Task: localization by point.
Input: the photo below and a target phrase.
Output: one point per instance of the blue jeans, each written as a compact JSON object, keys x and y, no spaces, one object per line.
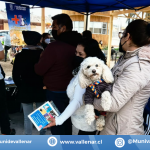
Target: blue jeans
{"x":61,"y":101}
{"x":27,"y":109}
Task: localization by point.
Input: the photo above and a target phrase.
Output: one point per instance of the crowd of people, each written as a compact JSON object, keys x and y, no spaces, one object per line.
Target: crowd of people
{"x":45,"y":71}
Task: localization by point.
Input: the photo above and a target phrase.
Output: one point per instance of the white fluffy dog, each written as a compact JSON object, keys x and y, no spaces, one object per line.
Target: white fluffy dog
{"x":92,"y":70}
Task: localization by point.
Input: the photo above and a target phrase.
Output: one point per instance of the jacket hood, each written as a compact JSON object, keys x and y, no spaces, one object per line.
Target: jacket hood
{"x":143,"y":53}
{"x":31,"y":37}
{"x":70,"y":37}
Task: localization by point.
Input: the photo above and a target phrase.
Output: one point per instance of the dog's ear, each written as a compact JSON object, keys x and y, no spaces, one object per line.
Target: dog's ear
{"x":107,"y":74}
{"x":83,"y":80}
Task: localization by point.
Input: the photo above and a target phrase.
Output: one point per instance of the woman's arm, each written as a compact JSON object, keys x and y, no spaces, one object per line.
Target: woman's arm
{"x":127,"y":85}
{"x":71,"y":108}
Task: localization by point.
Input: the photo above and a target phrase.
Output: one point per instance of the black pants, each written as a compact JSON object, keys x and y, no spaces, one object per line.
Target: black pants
{"x":61,"y":101}
{"x":6,"y":51}
{"x":4,"y":119}
{"x":86,"y":133}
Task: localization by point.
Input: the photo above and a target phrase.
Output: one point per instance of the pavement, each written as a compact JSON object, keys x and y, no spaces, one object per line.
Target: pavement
{"x":7,"y":67}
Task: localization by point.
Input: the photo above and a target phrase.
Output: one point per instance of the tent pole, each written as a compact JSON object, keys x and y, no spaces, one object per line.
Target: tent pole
{"x":43,"y":20}
{"x":109,"y":40}
{"x":86,"y":21}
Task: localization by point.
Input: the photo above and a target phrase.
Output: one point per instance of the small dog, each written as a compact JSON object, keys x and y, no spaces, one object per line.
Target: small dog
{"x":96,"y":77}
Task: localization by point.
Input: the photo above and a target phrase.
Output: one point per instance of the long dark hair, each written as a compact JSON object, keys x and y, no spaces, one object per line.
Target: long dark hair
{"x":92,"y":49}
{"x":139,"y":31}
{"x":44,"y":35}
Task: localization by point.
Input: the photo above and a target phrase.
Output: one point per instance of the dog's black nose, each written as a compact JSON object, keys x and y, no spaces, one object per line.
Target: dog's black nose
{"x":93,"y":71}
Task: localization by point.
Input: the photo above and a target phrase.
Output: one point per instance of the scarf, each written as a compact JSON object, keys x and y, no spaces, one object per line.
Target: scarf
{"x":92,"y":86}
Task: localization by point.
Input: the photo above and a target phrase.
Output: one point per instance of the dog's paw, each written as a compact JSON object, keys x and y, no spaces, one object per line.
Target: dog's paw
{"x":106,"y":100}
{"x":109,"y":80}
{"x":100,"y":123}
{"x":89,"y":113}
{"x":107,"y":75}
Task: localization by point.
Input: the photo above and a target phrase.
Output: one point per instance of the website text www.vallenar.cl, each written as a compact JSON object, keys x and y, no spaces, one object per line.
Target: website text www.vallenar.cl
{"x":81,"y":142}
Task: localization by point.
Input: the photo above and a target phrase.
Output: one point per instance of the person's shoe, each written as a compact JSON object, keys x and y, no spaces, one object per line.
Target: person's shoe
{"x":12,"y":63}
{"x":12,"y":131}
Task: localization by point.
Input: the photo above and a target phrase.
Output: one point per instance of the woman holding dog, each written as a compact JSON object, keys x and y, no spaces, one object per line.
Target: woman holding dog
{"x":86,"y":48}
{"x":131,"y":87}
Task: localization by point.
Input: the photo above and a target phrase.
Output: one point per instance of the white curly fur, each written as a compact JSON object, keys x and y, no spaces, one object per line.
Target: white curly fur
{"x":89,"y":113}
{"x":85,"y":74}
{"x":107,"y":74}
{"x":100,"y":123}
{"x":106,"y":100}
{"x":86,"y":77}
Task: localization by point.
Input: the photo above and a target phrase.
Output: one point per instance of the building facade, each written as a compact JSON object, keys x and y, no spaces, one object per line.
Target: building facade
{"x":98,"y":24}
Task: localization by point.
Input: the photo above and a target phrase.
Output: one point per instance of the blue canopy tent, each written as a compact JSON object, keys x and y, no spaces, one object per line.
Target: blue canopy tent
{"x":88,"y":7}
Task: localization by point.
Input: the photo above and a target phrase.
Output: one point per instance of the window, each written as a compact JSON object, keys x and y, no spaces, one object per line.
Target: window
{"x":95,"y":27}
{"x":98,"y":27}
{"x":78,"y":26}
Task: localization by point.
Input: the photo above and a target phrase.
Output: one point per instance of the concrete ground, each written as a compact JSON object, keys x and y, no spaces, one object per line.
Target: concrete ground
{"x":7,"y":66}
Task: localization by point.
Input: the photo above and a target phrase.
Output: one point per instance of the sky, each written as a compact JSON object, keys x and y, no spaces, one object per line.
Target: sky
{"x":37,"y":11}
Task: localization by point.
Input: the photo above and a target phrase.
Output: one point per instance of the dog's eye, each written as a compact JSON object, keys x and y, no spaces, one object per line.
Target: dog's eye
{"x":88,"y":67}
{"x":96,"y":65}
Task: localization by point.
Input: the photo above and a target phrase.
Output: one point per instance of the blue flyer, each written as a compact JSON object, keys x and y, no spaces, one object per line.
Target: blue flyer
{"x":40,"y":117}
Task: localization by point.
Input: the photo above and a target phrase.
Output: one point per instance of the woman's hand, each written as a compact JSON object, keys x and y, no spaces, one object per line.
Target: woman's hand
{"x":51,"y":124}
{"x":44,"y":88}
{"x":96,"y":117}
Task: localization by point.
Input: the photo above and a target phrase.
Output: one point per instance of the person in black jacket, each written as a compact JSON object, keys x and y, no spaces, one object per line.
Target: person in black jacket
{"x":4,"y":118}
{"x":30,"y":85}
